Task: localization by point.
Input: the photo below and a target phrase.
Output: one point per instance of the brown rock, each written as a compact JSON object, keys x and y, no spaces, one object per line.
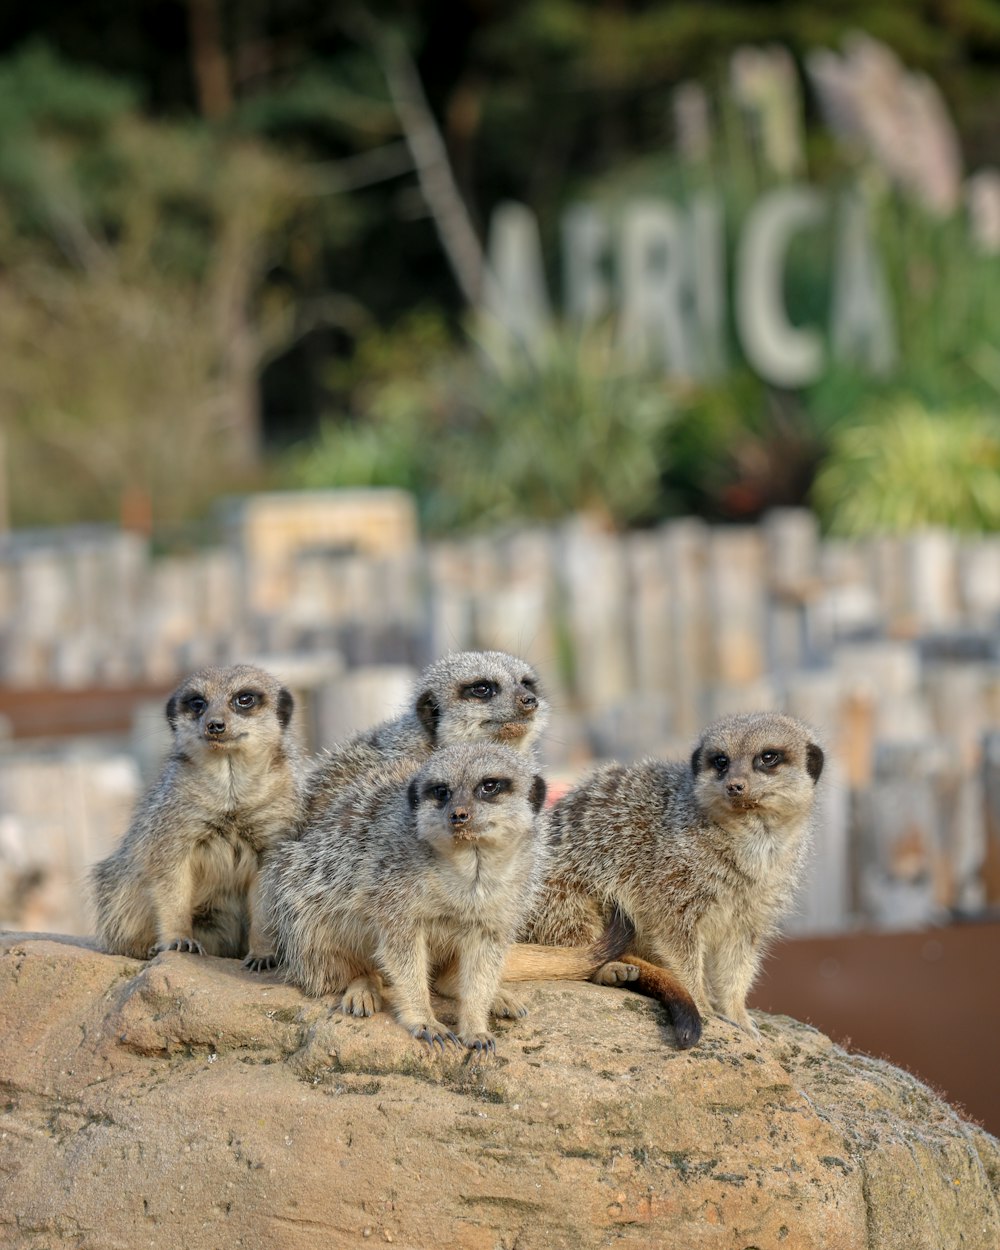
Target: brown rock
{"x":187,"y":1104}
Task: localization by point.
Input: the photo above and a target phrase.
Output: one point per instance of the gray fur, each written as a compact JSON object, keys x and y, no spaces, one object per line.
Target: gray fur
{"x":183,"y":877}
{"x":703,"y":858}
{"x":442,"y":712}
{"x":397,"y":883}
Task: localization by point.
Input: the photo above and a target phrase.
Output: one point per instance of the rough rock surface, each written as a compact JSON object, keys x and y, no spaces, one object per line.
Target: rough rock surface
{"x":186,"y":1104}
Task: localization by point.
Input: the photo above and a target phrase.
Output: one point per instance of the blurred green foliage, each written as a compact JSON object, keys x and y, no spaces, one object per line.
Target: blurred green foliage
{"x":919,"y":447}
{"x":486,"y":441}
{"x":903,"y":466}
{"x":133,"y":311}
{"x":157,"y":256}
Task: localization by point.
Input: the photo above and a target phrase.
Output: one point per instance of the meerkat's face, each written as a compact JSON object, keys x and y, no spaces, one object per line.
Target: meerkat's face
{"x":475,"y":794}
{"x":477,"y":696}
{"x":762,"y":762}
{"x":222,"y":710}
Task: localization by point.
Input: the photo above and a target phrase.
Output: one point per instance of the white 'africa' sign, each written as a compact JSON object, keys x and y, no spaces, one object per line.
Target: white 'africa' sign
{"x":661,"y":269}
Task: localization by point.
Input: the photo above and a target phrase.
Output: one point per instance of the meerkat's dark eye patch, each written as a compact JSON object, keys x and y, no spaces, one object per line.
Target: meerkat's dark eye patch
{"x":429,"y":713}
{"x":438,"y":792}
{"x":246,"y":700}
{"x":195,"y":704}
{"x":492,"y":787}
{"x":529,"y":683}
{"x":480,"y":690}
{"x":286,"y":705}
{"x":720,"y":762}
{"x":770,"y":758}
{"x":814,"y":760}
{"x":537,"y":795}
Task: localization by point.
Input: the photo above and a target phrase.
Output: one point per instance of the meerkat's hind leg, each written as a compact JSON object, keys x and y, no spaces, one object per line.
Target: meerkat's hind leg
{"x":363,"y":997}
{"x":615,"y":973}
{"x":321,"y":969}
{"x":618,"y":934}
{"x":222,"y":929}
{"x":260,"y":943}
{"x":506,"y":1005}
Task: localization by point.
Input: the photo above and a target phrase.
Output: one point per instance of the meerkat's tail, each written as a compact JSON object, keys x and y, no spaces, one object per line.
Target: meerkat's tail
{"x":661,"y":984}
{"x":528,"y":962}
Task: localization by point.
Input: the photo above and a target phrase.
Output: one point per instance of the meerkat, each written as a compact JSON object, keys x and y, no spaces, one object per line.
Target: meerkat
{"x":420,"y":868}
{"x":467,"y":696}
{"x":183,"y":877}
{"x":703,"y":857}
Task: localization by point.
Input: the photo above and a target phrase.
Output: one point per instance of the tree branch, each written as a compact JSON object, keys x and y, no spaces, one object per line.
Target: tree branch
{"x":437,"y":183}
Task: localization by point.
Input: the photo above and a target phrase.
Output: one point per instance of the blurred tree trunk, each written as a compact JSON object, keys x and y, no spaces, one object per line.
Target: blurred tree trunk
{"x":237,"y":259}
{"x":242,"y":360}
{"x":209,"y":62}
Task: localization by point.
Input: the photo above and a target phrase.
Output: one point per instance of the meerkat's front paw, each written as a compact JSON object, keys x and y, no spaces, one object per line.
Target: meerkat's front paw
{"x":741,"y":1020}
{"x":482,"y":1043}
{"x":615,"y":973}
{"x":508,"y":1006}
{"x":361,"y":998}
{"x":260,"y":963}
{"x":189,"y":945}
{"x":434,"y":1033}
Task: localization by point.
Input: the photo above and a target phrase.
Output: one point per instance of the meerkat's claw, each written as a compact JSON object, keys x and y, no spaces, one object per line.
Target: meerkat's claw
{"x":189,"y":945}
{"x":481,"y":1043}
{"x":435,"y":1034}
{"x":360,"y":999}
{"x":260,"y":963}
{"x":746,"y":1025}
{"x":508,"y":1006}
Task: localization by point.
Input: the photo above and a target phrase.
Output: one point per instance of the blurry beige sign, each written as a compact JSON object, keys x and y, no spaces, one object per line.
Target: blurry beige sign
{"x":661,"y":270}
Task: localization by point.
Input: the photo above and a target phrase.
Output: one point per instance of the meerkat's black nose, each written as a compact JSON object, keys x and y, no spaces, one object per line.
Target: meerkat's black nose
{"x":459,"y":815}
{"x":215,"y":728}
{"x":529,"y":701}
{"x":735,"y":787}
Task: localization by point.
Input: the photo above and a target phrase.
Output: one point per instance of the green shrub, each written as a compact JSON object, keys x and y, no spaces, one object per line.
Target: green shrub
{"x":905,"y":466}
{"x":486,"y":442}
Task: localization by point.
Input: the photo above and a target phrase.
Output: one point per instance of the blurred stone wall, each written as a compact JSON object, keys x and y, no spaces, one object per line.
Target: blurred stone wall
{"x":889,"y":646}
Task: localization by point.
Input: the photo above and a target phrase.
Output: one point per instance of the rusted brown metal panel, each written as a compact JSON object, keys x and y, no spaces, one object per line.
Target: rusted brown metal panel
{"x":928,"y":1001}
{"x":61,"y":713}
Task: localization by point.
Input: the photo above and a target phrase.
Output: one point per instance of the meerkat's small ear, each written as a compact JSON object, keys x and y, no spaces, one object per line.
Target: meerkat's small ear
{"x":286,"y":706}
{"x":696,"y":759}
{"x":814,"y":760}
{"x":412,"y":794}
{"x":429,"y":713}
{"x":536,"y":797}
{"x":172,"y":711}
